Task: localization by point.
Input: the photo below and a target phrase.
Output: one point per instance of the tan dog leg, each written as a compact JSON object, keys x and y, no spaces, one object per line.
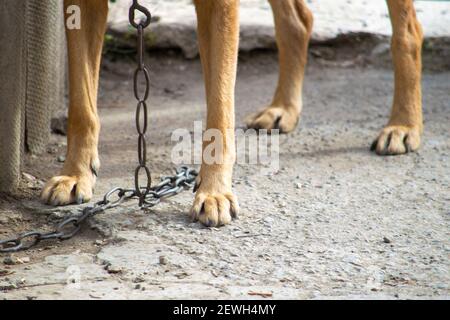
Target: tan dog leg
{"x":293,"y":24}
{"x":77,"y":179}
{"x":402,"y":133}
{"x":218,"y":34}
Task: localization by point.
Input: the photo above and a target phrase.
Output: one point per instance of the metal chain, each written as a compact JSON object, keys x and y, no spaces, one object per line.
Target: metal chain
{"x":141,"y":108}
{"x":148,"y":196}
{"x":69,"y":227}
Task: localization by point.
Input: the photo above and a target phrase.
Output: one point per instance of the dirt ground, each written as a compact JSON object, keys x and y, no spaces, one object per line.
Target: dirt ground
{"x":336,"y":221}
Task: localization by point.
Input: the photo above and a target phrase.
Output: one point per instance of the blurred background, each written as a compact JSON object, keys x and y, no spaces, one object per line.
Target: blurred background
{"x":175,"y":21}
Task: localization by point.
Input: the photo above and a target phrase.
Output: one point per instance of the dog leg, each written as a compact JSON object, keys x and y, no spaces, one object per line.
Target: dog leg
{"x":402,"y":133}
{"x":293,"y":24}
{"x":218,"y":34}
{"x":77,"y":178}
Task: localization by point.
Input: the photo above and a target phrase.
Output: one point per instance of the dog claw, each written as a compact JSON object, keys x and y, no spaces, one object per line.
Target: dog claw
{"x":79,"y":200}
{"x":196,"y":186}
{"x":94,"y":171}
{"x":395,"y":140}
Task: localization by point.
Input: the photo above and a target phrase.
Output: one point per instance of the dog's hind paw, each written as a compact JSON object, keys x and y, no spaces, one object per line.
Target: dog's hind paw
{"x":273,"y":117}
{"x":394,"y":140}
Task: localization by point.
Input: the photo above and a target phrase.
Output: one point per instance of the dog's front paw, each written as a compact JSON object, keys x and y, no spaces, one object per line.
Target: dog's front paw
{"x":283,"y":118}
{"x":394,"y":140}
{"x":74,"y":185}
{"x":215,"y":204}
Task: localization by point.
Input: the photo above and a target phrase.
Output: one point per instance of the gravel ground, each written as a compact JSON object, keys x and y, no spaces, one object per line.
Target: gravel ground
{"x":336,"y":221}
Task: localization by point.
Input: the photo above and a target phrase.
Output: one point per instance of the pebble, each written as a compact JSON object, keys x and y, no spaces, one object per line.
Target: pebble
{"x":23,"y":260}
{"x":9,"y":261}
{"x":441,"y":286}
{"x":113,"y":269}
{"x":138,"y":279}
{"x":163,"y":260}
{"x":28,"y":176}
{"x":61,"y":158}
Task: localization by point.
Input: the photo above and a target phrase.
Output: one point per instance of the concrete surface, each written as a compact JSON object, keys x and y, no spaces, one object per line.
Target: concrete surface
{"x":335,"y":222}
{"x":175,"y":21}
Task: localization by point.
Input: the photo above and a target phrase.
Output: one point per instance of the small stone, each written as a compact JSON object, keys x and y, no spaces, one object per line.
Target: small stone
{"x":23,"y":260}
{"x":386,"y":240}
{"x":61,"y":158}
{"x":28,"y":176}
{"x":9,"y":261}
{"x":52,"y":150}
{"x":5,"y":273}
{"x":113,"y":269}
{"x":182,"y":275}
{"x":9,"y":286}
{"x":59,"y":125}
{"x":4,"y":219}
{"x":441,"y":286}
{"x":137,"y":287}
{"x":138,"y":279}
{"x":298,"y":185}
{"x":163,"y":260}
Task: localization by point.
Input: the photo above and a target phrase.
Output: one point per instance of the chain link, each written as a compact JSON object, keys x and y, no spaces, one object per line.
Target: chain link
{"x":148,"y":196}
{"x":141,"y":108}
{"x":183,"y":179}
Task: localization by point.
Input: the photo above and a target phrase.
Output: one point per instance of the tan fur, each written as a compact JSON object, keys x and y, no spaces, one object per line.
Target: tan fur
{"x":77,"y":178}
{"x":218,"y":33}
{"x":402,"y":133}
{"x":293,"y":24}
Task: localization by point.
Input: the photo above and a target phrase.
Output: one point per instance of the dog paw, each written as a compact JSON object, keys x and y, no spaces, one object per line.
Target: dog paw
{"x":215,"y":204}
{"x":70,"y":188}
{"x":394,"y":140}
{"x":284,"y":119}
{"x":62,"y":190}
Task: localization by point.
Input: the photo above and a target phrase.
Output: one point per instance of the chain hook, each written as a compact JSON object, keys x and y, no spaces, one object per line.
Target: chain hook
{"x":132,"y":15}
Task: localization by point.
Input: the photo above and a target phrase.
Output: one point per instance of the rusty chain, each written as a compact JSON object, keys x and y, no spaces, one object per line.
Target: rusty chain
{"x":148,"y":196}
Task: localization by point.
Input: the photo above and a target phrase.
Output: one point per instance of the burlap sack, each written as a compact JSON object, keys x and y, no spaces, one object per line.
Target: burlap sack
{"x":31,"y":79}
